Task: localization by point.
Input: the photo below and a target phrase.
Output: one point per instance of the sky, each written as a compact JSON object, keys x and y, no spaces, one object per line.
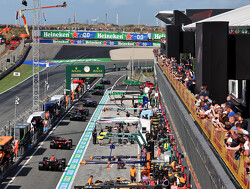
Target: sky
{"x":129,"y":11}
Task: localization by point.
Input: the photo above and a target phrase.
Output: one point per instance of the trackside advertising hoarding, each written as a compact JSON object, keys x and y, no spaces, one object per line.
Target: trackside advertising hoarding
{"x":157,"y":36}
{"x":237,"y":167}
{"x":94,"y":35}
{"x":96,"y":42}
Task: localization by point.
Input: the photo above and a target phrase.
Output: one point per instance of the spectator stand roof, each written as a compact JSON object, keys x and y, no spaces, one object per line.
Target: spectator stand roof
{"x":165,"y":16}
{"x":238,"y":19}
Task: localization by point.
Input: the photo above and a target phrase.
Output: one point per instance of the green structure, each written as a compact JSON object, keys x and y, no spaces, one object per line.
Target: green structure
{"x":77,"y":71}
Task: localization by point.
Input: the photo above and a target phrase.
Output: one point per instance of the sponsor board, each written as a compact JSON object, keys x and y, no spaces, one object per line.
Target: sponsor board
{"x":237,"y":167}
{"x":94,"y":35}
{"x":157,"y":36}
{"x":95,"y":42}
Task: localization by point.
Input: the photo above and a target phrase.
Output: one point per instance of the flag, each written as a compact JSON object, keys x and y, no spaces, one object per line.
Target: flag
{"x":75,"y":18}
{"x":44,"y":16}
{"x":17,"y":12}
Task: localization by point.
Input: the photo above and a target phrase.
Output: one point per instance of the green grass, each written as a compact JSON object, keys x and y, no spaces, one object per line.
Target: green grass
{"x":10,"y":80}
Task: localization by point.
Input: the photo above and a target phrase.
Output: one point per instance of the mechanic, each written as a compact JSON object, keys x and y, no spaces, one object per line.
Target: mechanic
{"x":90,"y":181}
{"x":101,"y":140}
{"x":133,"y":173}
{"x":94,"y":135}
{"x":16,"y":146}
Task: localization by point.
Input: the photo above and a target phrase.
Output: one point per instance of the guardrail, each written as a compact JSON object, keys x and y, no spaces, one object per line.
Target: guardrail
{"x":237,"y":167}
{"x":9,"y":59}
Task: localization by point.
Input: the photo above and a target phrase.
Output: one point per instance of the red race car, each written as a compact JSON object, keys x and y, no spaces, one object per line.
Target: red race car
{"x":52,"y":164}
{"x":60,"y":142}
{"x":147,"y":84}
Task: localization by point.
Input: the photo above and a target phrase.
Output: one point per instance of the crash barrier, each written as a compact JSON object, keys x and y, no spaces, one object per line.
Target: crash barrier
{"x":9,"y":59}
{"x":105,"y":43}
{"x":115,"y":69}
{"x":18,"y":63}
{"x":237,"y":167}
{"x":101,"y":35}
{"x":2,"y":48}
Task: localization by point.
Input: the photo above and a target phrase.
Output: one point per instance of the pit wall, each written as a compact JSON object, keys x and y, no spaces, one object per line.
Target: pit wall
{"x":237,"y":167}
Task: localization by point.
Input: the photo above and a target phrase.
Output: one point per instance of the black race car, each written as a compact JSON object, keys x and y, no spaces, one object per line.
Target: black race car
{"x":79,"y":107}
{"x":98,"y":92}
{"x":52,"y":164}
{"x":77,"y":115}
{"x":60,"y":142}
{"x":99,"y":86}
{"x":105,"y":81}
{"x":89,"y":103}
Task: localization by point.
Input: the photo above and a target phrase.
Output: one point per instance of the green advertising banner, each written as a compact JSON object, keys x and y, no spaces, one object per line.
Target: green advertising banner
{"x":157,"y":36}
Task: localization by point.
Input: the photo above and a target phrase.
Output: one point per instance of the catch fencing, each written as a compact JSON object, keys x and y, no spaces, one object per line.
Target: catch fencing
{"x":8,"y":60}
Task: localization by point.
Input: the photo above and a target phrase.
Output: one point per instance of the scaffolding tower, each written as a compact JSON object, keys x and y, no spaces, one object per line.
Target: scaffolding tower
{"x":36,"y":56}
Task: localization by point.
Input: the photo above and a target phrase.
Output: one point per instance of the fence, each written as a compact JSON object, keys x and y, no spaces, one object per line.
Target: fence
{"x":237,"y":167}
{"x":11,"y":58}
{"x":2,"y":48}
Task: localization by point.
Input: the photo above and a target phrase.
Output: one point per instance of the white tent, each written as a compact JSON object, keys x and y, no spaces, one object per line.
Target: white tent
{"x":237,"y":18}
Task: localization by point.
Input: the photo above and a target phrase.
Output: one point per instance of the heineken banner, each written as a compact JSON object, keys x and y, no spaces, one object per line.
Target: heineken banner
{"x":94,"y":35}
{"x":95,"y":42}
{"x":157,"y":36}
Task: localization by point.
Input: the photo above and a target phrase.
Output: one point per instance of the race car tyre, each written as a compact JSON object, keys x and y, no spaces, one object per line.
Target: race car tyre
{"x":64,"y":162}
{"x":71,"y":142}
{"x":68,"y":146}
{"x":52,"y":145}
{"x":40,"y":166}
{"x":60,"y":168}
{"x":87,"y":111}
{"x":45,"y":158}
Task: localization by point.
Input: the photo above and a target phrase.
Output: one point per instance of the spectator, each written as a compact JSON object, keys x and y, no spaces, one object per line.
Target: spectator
{"x":240,"y":119}
{"x":204,"y":92}
{"x":230,"y":103}
{"x":229,"y":110}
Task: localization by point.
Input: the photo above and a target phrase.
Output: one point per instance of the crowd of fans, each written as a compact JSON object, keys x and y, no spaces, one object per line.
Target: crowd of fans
{"x":224,"y":117}
{"x":108,"y":28}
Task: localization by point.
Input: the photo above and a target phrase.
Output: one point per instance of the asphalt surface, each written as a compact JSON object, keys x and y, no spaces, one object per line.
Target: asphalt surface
{"x":56,"y":77}
{"x":30,"y":176}
{"x":81,"y":52}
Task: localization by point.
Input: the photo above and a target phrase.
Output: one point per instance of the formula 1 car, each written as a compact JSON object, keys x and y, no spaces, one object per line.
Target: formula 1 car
{"x":97,"y":92}
{"x":99,"y":86}
{"x":79,"y":107}
{"x":60,"y":142}
{"x":147,"y":84}
{"x":77,"y":116}
{"x":89,"y":103}
{"x":52,"y":164}
{"x":105,"y":81}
